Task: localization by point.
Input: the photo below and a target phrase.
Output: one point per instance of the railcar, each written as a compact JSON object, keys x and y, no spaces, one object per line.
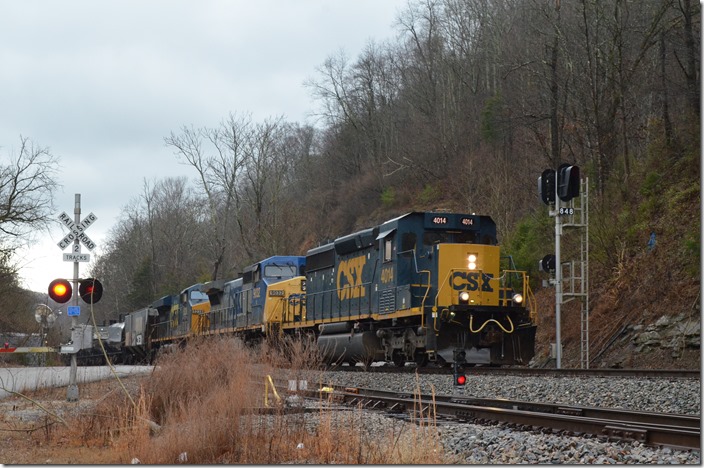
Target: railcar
{"x":112,"y":338}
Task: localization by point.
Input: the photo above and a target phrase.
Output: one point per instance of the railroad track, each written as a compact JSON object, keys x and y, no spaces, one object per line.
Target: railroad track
{"x":658,"y":429}
{"x":527,"y":371}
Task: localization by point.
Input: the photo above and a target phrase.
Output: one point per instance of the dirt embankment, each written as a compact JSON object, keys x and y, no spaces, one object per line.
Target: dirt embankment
{"x":646,"y":315}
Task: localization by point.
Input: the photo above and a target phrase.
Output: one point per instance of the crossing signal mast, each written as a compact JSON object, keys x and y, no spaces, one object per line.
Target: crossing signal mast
{"x":89,"y":289}
{"x":558,"y":189}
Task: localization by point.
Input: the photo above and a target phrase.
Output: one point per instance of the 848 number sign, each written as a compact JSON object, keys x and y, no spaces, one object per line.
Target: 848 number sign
{"x":566,"y":211}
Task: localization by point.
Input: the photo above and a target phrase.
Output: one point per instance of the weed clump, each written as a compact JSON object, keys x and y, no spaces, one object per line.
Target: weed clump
{"x":212,"y":401}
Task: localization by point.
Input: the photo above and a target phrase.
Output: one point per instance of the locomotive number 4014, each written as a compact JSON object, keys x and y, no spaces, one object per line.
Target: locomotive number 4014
{"x":443,"y":220}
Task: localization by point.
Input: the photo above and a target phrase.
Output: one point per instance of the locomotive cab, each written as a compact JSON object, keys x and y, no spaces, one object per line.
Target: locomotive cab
{"x":258,"y":280}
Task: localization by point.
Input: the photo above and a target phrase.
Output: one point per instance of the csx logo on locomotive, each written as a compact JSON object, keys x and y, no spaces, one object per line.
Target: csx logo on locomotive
{"x":469,"y":281}
{"x":349,"y":278}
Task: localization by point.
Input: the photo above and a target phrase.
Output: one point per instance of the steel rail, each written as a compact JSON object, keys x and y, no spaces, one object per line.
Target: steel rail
{"x":527,"y":371}
{"x":626,"y":415}
{"x":659,"y":429}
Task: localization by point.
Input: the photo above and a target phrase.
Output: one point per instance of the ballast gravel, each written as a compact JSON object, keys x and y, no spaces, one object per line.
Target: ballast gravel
{"x":498,"y":444}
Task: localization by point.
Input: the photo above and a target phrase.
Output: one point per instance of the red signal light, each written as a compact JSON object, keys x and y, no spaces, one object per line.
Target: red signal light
{"x":90,"y":290}
{"x":460,"y":379}
{"x":60,"y":290}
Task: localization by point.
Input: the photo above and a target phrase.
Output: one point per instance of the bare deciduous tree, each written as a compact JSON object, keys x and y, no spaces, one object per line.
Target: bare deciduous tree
{"x":218,"y":167}
{"x":27,"y":187}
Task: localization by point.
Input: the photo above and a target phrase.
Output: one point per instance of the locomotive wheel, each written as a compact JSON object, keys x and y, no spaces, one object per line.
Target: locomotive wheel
{"x":421,"y":358}
{"x":398,"y":358}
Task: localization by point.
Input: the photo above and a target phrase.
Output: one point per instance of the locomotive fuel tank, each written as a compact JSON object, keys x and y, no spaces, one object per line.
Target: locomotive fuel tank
{"x":339,"y":342}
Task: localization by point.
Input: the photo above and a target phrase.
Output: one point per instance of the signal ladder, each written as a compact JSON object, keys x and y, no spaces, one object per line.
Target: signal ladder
{"x":575,"y":273}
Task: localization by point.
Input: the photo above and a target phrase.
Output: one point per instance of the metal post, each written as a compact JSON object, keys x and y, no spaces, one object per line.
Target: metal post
{"x":72,"y":391}
{"x":558,"y":278}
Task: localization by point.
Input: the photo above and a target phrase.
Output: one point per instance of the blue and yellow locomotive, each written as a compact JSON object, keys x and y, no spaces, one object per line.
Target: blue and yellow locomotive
{"x":421,"y":287}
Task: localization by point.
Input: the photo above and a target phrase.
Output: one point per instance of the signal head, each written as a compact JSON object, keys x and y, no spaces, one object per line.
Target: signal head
{"x":60,"y":290}
{"x":547,"y":264}
{"x":90,"y":290}
{"x":568,"y":182}
{"x":546,"y":186}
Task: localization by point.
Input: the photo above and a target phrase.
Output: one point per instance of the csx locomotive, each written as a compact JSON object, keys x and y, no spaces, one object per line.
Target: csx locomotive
{"x":422,"y":287}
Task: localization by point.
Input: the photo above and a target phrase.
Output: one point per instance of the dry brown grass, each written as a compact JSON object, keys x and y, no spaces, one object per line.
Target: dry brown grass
{"x":198,"y":407}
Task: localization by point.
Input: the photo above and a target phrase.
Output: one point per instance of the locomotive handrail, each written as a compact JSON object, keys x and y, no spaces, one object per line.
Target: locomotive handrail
{"x":527,"y":293}
{"x":533,"y":306}
{"x":425,"y":296}
{"x":437,"y":295}
{"x":522,"y":275}
{"x":427,"y":286}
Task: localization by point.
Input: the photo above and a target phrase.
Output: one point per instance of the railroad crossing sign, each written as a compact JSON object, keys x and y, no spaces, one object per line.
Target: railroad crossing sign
{"x":77,"y":232}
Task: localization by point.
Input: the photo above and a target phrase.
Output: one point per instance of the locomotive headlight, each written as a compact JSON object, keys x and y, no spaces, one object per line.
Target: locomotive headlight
{"x":464,"y":297}
{"x":518,"y":298}
{"x":472,"y":262}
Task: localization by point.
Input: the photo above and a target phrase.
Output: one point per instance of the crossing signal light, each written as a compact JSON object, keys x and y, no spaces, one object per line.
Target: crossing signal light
{"x":90,"y":290}
{"x":546,"y":186}
{"x":60,"y":290}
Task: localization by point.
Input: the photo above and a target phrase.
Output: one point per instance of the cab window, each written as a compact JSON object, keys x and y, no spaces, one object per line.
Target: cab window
{"x":408,"y":241}
{"x":277,"y":271}
{"x":198,"y":297}
{"x":466,"y":237}
{"x":435,"y":237}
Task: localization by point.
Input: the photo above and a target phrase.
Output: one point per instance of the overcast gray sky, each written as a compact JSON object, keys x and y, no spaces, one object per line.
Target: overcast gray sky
{"x":101,"y":83}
